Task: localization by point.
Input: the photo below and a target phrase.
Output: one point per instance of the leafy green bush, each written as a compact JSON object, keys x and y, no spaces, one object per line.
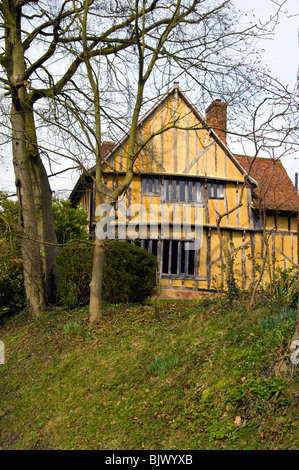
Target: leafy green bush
{"x":12,"y":292}
{"x":70,"y":225}
{"x":284,"y":287}
{"x":129,"y":273}
{"x":70,"y":222}
{"x":74,"y":266}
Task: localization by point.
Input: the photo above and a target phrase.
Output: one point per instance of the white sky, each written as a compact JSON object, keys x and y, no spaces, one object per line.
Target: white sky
{"x":282,"y":52}
{"x":281,"y":56}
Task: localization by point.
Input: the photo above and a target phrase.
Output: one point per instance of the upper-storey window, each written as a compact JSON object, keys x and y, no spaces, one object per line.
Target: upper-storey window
{"x":257,"y":223}
{"x":215,"y":190}
{"x":150,"y":185}
{"x":181,"y":190}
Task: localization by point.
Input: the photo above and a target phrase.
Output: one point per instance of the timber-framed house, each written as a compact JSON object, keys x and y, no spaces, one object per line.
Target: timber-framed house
{"x":189,"y":172}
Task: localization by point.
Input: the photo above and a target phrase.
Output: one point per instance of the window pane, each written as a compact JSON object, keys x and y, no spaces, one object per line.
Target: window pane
{"x":221,"y":190}
{"x":182,"y":190}
{"x":183,"y":258}
{"x":215,"y":192}
{"x":174,"y":257}
{"x":156,"y":188}
{"x":145,"y":244}
{"x":155,"y":247}
{"x":165,"y":256}
{"x":150,"y":185}
{"x":173,"y":190}
{"x":191,"y":254}
{"x":209,"y":190}
{"x":190,"y":191}
{"x":256,"y":221}
{"x":198,"y":191}
{"x":144,"y":184}
{"x":166,"y":190}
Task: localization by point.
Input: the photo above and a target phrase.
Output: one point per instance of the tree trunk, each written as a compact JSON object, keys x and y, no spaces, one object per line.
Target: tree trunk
{"x":33,"y":272}
{"x":96,"y":285}
{"x":42,"y":195}
{"x":36,"y":215}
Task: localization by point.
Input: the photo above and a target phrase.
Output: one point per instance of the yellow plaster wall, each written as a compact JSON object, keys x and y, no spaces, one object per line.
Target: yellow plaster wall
{"x":231,"y":202}
{"x":189,"y":284}
{"x":237,"y":241}
{"x":294,"y":224}
{"x":203,"y":256}
{"x":176,"y":283}
{"x":282,"y":223}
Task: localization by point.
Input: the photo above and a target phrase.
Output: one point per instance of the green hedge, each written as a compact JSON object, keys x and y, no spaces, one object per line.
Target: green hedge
{"x":129,"y":274}
{"x":74,"y":267}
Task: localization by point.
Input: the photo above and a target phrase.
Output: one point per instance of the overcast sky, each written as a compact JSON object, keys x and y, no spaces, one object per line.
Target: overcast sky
{"x":281,"y":56}
{"x":282,"y":51}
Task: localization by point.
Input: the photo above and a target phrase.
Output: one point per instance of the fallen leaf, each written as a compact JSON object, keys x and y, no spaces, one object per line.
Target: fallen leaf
{"x":237,"y":420}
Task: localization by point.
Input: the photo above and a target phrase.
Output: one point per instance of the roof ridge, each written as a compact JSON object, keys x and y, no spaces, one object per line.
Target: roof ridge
{"x":267,"y":159}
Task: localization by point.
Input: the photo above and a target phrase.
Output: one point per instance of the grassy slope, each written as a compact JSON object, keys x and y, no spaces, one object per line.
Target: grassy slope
{"x":195,"y":376}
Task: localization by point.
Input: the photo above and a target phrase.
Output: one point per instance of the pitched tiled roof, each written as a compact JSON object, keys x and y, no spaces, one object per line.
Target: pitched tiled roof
{"x":275,"y":187}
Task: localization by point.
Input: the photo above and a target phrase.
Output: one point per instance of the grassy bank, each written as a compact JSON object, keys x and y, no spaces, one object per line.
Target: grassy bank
{"x":185,"y":375}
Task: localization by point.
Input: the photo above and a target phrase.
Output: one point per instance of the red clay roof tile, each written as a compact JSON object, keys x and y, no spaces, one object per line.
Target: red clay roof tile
{"x":276,"y":190}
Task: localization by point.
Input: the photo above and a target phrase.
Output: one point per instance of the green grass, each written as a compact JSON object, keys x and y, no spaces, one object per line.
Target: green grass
{"x":192,"y":375}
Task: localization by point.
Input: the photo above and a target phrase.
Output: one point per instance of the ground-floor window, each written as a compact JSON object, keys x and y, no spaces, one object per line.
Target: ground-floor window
{"x":177,"y":258}
{"x":151,"y":246}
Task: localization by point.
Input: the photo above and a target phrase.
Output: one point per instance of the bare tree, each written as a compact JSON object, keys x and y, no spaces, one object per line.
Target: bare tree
{"x":191,"y":39}
{"x":139,"y":47}
{"x":35,"y":35}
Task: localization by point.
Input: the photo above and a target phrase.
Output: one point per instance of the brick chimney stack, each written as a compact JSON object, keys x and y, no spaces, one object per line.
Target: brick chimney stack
{"x":216,"y":118}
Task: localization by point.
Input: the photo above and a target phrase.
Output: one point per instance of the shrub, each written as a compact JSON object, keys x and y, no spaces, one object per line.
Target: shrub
{"x":129,"y":274}
{"x":70,"y":225}
{"x":74,"y":262}
{"x":70,"y":222}
{"x":12,"y":292}
{"x":74,"y":266}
